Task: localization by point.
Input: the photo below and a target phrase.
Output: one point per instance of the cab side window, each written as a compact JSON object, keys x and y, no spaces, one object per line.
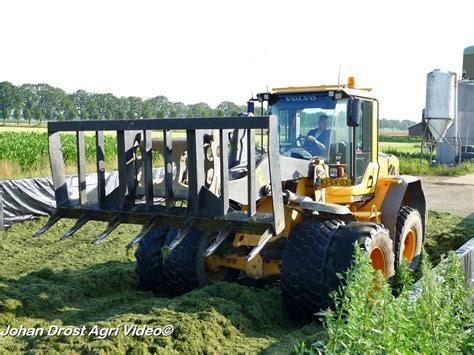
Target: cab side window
{"x":284,"y":126}
{"x":363,"y":141}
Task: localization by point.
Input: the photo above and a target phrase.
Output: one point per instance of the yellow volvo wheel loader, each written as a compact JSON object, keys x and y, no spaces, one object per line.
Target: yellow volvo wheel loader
{"x":285,"y":194}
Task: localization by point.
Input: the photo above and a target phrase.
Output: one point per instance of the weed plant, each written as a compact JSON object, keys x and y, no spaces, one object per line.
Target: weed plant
{"x":437,"y":317}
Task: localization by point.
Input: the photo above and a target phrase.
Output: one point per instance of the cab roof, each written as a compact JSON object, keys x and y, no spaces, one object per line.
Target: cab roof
{"x":359,"y":92}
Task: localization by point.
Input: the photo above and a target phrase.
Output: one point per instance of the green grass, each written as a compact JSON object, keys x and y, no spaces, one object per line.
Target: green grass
{"x":400,"y":138}
{"x":400,"y":147}
{"x":410,"y":164}
{"x":73,"y":283}
{"x":413,"y":166}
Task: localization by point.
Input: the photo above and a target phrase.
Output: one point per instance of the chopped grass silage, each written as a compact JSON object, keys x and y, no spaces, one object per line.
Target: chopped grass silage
{"x":73,"y":283}
{"x":445,"y":232}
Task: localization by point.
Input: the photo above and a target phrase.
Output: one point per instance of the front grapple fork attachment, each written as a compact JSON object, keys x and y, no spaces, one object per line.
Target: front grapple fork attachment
{"x":137,"y":200}
{"x":143,"y":231}
{"x":113,"y":224}
{"x":55,"y":217}
{"x":83,"y":219}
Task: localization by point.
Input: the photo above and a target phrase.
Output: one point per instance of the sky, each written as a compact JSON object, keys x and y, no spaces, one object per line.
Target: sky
{"x":212,"y":51}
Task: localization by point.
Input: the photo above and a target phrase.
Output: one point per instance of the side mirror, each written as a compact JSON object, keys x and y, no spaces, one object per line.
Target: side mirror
{"x":250,"y":107}
{"x":354,"y":111}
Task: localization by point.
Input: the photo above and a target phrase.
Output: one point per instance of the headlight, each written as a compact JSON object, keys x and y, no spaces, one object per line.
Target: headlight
{"x":333,"y":173}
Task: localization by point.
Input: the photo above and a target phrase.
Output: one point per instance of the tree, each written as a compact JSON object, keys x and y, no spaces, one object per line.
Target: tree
{"x":27,"y":115}
{"x":61,"y":117}
{"x":5,"y":114}
{"x":48,"y":115}
{"x":52,"y":99}
{"x":40,"y":101}
{"x":200,"y":110}
{"x":30,"y":98}
{"x":147,"y":113}
{"x":16,"y":115}
{"x":178,"y":109}
{"x":159,"y":104}
{"x":134,"y":107}
{"x":109,"y":115}
{"x":230,"y":109}
{"x":81,"y":100}
{"x":70,"y":114}
{"x":395,"y":125}
{"x":96,"y":115}
{"x":10,"y":98}
{"x":121,"y":114}
{"x":84,"y":115}
{"x":38,"y":113}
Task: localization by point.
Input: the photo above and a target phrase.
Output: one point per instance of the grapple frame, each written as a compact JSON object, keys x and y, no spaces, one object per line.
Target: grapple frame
{"x":203,"y":210}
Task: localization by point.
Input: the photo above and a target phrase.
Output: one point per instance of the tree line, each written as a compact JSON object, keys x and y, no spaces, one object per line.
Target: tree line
{"x":395,"y":125}
{"x":44,"y":102}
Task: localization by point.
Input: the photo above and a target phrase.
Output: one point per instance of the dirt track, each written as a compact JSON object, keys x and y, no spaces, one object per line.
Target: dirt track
{"x":450,"y":194}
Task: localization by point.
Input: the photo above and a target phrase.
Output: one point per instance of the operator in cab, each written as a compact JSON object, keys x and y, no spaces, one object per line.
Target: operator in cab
{"x":317,"y":140}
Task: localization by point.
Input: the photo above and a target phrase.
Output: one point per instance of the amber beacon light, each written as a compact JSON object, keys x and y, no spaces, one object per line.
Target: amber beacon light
{"x":351,"y":82}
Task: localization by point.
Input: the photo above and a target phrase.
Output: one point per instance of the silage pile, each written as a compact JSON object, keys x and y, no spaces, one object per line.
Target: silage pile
{"x":44,"y":282}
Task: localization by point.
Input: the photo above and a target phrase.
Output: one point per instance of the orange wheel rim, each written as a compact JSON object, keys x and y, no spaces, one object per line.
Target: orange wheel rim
{"x":378,"y":260}
{"x":214,"y":274}
{"x":409,"y":244}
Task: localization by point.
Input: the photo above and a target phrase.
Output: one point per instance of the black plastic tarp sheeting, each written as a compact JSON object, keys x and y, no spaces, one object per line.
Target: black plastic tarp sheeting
{"x":24,"y":199}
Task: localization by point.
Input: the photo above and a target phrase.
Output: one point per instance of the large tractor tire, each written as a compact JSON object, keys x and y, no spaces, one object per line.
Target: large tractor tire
{"x":408,"y":237}
{"x":317,"y":250}
{"x":185,"y":267}
{"x":180,"y":270}
{"x":149,"y":257}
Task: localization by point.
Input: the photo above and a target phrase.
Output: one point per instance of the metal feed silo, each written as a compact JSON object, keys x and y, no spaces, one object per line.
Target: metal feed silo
{"x":465,"y":117}
{"x":466,"y":102}
{"x":440,"y":102}
{"x":468,"y":63}
{"x":461,"y":134}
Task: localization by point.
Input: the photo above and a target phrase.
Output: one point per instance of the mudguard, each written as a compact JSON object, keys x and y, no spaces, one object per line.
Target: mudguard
{"x":407,"y":193}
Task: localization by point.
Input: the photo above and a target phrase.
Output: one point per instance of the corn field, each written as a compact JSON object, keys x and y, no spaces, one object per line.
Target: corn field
{"x":30,"y":150}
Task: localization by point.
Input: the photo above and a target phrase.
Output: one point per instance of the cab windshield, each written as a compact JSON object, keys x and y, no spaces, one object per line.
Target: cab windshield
{"x":313,"y":125}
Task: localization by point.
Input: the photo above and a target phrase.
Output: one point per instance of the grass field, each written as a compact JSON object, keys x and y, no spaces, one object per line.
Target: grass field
{"x":411,"y":148}
{"x":73,"y":283}
{"x":408,"y":154}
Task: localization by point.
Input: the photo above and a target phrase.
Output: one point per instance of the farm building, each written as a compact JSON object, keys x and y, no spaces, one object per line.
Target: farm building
{"x":417,"y":130}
